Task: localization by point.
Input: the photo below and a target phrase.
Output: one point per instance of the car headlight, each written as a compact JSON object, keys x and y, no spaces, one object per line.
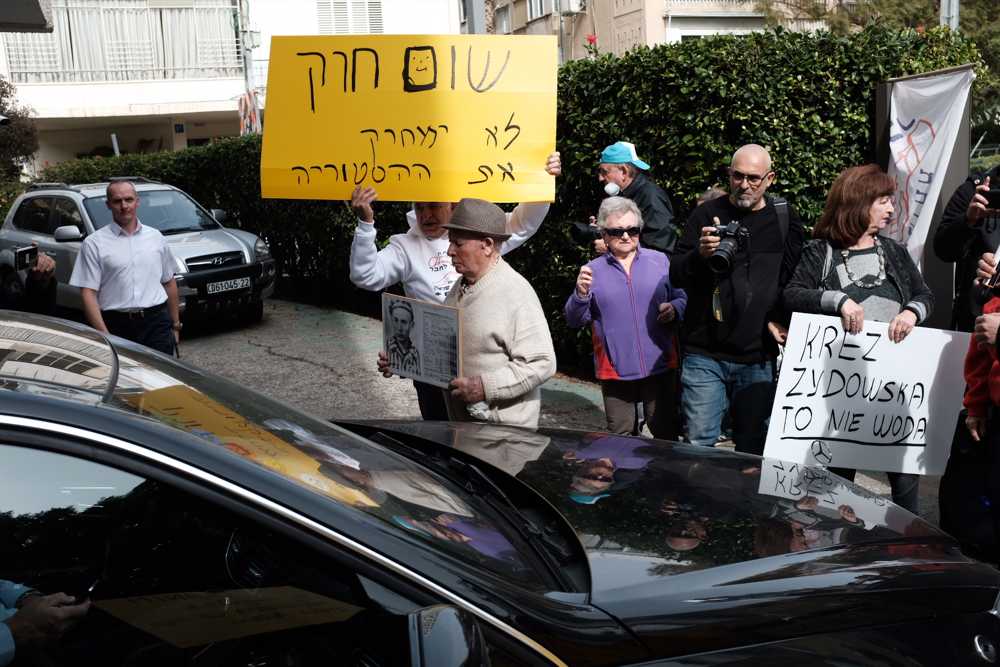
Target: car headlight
{"x":261,"y":249}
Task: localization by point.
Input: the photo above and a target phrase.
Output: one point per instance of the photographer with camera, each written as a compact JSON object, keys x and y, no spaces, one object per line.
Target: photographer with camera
{"x":969,"y":227}
{"x":733,"y":261}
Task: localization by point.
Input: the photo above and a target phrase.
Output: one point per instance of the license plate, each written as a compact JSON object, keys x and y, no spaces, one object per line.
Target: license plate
{"x":228,"y":285}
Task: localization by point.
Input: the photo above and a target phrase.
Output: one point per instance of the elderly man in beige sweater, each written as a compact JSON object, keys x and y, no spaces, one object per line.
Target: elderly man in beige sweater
{"x":506,"y":347}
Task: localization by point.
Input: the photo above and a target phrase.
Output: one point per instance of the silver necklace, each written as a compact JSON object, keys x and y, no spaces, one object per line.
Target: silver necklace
{"x":845,"y":253}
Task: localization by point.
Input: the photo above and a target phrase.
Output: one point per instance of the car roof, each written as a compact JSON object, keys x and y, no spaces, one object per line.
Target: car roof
{"x":89,"y":190}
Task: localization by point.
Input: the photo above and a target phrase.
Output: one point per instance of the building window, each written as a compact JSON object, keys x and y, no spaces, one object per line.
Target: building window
{"x":129,"y":40}
{"x":349,"y":17}
{"x":501,"y":20}
{"x":536,"y":9}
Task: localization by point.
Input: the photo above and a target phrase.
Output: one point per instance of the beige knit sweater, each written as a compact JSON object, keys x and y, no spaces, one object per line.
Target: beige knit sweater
{"x":506,"y":341}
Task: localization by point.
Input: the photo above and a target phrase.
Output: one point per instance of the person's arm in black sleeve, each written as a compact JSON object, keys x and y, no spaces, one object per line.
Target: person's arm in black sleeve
{"x":954,"y":231}
{"x":658,"y":231}
{"x":686,"y":265}
{"x":803,"y":293}
{"x":39,"y":295}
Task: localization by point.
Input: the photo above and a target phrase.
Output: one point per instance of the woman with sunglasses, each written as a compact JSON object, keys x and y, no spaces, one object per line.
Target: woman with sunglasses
{"x":849,"y":270}
{"x":625,"y":294}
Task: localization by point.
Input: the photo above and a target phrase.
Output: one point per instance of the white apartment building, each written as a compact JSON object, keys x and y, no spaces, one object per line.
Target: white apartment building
{"x":620,"y":25}
{"x":155,"y":75}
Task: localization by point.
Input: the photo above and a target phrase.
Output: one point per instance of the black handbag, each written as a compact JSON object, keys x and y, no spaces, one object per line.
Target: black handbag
{"x":969,"y":494}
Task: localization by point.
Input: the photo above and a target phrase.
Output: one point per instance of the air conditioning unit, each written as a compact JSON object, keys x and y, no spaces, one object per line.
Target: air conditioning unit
{"x":572,"y":6}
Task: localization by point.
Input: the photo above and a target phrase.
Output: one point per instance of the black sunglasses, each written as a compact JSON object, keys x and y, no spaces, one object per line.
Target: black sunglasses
{"x":620,"y":231}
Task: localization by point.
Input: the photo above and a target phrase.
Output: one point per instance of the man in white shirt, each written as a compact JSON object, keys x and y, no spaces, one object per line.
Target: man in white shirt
{"x":125,"y":273}
{"x":419,"y":258}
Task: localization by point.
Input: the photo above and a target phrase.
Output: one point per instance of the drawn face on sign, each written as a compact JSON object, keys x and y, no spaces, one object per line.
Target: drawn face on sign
{"x":419,"y":69}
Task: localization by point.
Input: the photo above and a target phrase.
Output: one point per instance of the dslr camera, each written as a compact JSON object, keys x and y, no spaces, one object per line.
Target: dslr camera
{"x":583,"y":233}
{"x":734,"y":236}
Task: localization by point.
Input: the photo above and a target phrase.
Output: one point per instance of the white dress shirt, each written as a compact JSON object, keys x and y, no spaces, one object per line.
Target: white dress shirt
{"x":127,"y":271}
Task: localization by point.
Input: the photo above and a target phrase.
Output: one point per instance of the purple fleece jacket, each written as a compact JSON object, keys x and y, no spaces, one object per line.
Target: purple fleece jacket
{"x":629,"y":344}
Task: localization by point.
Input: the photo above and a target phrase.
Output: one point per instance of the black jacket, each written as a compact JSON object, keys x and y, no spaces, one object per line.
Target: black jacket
{"x":955,"y":241}
{"x":34,"y":297}
{"x":750,"y":295}
{"x":804,"y":291}
{"x":658,"y":231}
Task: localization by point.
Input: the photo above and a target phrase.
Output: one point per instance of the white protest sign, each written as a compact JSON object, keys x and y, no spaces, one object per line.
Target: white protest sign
{"x":862,"y":401}
{"x":831,"y":496}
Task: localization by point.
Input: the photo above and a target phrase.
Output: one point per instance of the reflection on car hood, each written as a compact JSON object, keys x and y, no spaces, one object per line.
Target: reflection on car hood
{"x":643,"y":508}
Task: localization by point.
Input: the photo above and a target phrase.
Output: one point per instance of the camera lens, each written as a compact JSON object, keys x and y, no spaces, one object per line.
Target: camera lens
{"x":721,"y":261}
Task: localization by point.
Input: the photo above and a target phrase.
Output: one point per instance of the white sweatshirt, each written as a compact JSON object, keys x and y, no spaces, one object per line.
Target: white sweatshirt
{"x":423,"y":264}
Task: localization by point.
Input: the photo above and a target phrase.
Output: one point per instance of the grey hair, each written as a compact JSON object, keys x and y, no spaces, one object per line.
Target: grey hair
{"x":617,"y":207}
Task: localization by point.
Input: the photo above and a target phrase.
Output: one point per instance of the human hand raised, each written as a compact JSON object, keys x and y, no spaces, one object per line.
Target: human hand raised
{"x":361,"y":203}
{"x":709,"y":242}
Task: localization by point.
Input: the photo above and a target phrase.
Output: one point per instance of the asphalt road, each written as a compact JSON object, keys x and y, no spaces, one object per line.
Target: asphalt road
{"x":322,"y":361}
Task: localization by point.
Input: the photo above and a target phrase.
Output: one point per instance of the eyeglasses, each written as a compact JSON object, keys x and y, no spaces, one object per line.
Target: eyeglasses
{"x":753,"y":179}
{"x":619,"y":232}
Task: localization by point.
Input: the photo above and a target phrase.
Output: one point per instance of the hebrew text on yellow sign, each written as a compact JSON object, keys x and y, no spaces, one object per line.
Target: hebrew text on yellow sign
{"x":417,"y":117}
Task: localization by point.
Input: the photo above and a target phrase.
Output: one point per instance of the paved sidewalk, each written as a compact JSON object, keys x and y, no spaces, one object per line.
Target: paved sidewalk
{"x":322,"y":361}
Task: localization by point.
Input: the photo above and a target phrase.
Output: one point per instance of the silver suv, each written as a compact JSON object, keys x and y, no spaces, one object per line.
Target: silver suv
{"x":217,"y":268}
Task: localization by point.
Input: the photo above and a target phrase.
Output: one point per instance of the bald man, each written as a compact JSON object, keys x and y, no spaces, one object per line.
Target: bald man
{"x":733,"y":260}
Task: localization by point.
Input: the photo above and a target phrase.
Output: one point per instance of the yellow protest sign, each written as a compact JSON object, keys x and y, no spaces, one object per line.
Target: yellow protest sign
{"x":417,"y":117}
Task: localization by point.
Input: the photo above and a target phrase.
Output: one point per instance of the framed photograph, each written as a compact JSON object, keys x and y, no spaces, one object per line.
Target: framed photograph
{"x":422,"y":339}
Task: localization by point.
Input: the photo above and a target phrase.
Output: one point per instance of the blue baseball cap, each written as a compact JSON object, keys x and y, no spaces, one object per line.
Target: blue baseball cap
{"x":622,"y":152}
{"x":585,"y":499}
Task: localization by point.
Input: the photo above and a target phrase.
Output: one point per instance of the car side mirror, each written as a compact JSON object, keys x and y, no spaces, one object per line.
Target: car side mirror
{"x":68,"y":233}
{"x":445,"y":636}
{"x":219,"y":215}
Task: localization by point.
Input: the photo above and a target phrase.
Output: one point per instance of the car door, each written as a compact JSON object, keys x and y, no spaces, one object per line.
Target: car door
{"x":65,"y":212}
{"x":175,"y":578}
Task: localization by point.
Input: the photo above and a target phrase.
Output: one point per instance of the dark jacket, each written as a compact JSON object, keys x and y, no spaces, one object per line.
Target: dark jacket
{"x":658,"y":231}
{"x":955,"y":241}
{"x":804,"y":293}
{"x":35,"y":297}
{"x":749,"y":296}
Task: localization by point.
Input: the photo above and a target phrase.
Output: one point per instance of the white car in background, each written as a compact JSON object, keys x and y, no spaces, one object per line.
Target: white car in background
{"x":218,"y":269}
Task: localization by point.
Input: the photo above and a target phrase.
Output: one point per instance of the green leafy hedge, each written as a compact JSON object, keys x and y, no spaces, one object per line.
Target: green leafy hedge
{"x":686,"y":106}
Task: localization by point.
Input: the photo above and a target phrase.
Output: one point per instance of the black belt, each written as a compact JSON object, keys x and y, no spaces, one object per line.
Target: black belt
{"x":136,"y":313}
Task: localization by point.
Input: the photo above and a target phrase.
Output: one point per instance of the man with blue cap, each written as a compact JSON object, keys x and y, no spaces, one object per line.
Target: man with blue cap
{"x":623,"y":173}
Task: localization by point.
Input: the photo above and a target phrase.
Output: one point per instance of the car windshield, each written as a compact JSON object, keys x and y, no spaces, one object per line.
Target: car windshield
{"x":65,"y":360}
{"x":169,"y":211}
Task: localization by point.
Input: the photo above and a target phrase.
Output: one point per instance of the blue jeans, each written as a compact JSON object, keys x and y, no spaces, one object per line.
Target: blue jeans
{"x":710,"y":386}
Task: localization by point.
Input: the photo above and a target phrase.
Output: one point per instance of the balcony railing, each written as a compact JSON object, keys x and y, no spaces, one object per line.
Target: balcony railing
{"x":128,"y":40}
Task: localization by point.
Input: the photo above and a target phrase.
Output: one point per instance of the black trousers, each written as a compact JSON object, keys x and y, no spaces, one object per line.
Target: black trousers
{"x":431,"y":400}
{"x":151,"y":327}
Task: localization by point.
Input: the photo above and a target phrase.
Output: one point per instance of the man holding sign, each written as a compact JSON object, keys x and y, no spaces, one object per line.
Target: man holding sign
{"x":419,"y":258}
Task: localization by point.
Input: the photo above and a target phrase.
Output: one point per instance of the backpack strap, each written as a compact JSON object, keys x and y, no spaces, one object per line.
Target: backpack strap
{"x":781,"y":208}
{"x":827,"y":263}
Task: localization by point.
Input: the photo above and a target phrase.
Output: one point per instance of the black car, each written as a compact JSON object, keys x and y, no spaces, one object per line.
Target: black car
{"x":210,"y":525}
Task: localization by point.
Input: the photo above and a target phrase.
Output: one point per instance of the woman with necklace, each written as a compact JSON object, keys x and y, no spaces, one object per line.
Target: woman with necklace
{"x":851,"y":271}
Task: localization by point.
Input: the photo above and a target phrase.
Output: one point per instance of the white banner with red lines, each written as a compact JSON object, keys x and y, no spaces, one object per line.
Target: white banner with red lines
{"x":925,"y":114}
